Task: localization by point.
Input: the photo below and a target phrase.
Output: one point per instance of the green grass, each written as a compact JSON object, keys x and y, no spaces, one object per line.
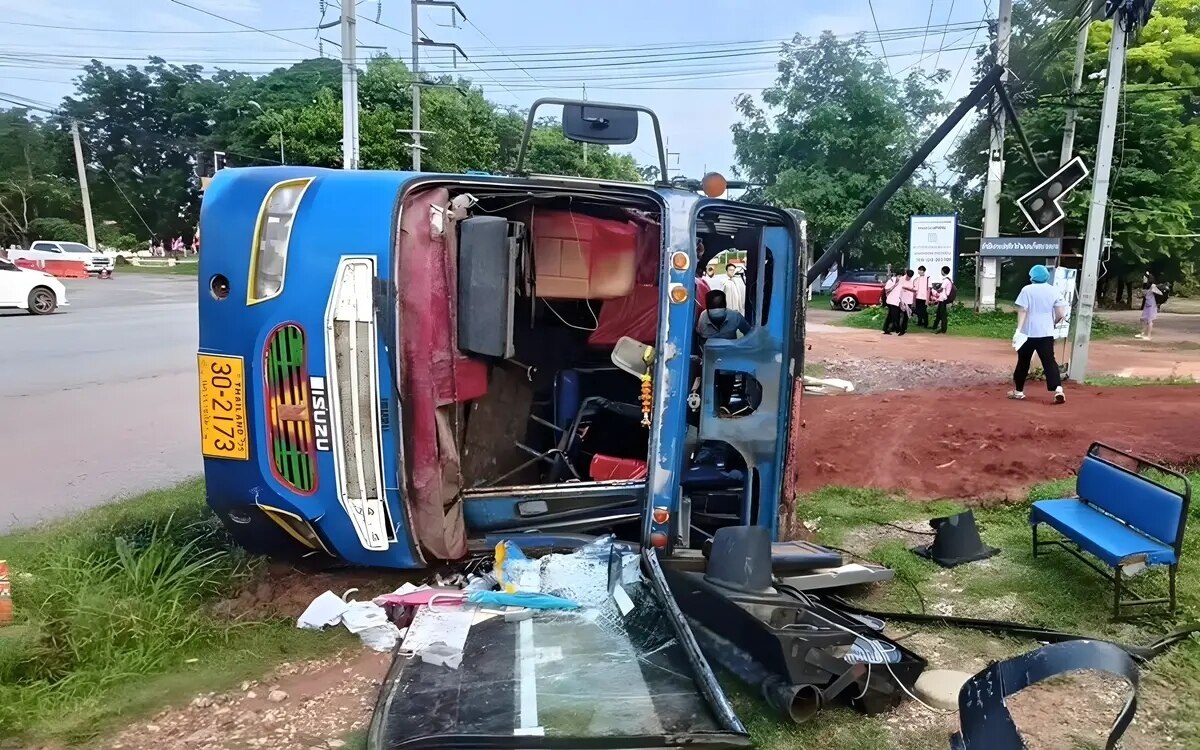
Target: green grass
{"x":964,"y":321}
{"x":1116,"y":381}
{"x":179,"y":269}
{"x":1054,"y":591}
{"x":113,"y":617}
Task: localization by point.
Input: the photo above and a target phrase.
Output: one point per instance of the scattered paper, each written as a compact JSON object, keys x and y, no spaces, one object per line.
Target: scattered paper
{"x":438,"y":626}
{"x":322,"y":612}
{"x":382,"y":638}
{"x":361,"y":616}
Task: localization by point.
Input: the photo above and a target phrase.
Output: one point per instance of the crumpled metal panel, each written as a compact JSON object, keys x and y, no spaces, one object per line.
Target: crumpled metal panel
{"x":434,"y":376}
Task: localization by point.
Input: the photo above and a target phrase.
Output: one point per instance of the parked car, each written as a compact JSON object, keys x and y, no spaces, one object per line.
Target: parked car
{"x":29,"y":289}
{"x":855,"y":289}
{"x":94,"y":261}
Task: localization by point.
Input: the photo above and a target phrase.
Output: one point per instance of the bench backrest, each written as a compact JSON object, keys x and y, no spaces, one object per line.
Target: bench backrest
{"x":1140,"y":502}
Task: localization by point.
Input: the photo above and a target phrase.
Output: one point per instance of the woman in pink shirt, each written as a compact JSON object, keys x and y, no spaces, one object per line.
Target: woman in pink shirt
{"x":901,"y":292}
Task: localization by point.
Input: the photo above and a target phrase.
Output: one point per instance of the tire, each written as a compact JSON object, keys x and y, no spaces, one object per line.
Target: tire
{"x":42,"y":301}
{"x":849,"y":303}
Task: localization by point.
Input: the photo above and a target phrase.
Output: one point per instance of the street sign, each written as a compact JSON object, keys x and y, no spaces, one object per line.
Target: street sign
{"x":931,"y":243}
{"x":1042,"y":206}
{"x":1020,"y":247}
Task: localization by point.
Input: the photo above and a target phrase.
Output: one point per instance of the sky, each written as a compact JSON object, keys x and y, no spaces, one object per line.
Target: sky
{"x":685,"y":59}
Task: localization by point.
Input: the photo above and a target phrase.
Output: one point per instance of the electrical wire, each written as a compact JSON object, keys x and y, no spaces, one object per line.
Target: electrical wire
{"x":147,"y":31}
{"x":943,"y":44}
{"x":878,"y":33}
{"x":245,"y":25}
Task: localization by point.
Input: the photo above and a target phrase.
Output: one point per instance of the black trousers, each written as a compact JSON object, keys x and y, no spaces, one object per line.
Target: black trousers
{"x":921,"y":311}
{"x":1044,"y":346}
{"x":939,"y":317}
{"x":896,"y":321}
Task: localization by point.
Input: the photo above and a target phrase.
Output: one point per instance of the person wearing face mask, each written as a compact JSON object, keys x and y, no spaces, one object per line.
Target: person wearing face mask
{"x":718,"y":321}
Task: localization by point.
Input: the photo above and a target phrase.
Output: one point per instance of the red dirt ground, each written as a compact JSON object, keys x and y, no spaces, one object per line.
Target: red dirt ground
{"x":974,"y":444}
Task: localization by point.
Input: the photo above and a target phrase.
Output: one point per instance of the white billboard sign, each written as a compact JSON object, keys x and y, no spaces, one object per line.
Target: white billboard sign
{"x":931,"y":243}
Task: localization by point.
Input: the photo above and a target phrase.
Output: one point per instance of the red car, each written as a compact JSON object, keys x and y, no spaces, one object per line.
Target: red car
{"x":855,"y":289}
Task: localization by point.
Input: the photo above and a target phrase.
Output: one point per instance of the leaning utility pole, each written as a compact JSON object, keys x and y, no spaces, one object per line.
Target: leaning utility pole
{"x":349,"y":26}
{"x":1067,"y":153}
{"x":989,"y":268}
{"x":1128,"y":16}
{"x":419,"y":41}
{"x":83,"y":187}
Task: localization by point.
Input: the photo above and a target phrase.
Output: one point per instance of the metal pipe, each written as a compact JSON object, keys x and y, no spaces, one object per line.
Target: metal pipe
{"x":799,"y":703}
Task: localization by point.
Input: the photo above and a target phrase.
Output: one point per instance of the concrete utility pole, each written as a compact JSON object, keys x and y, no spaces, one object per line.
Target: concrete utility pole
{"x":419,"y":41}
{"x":1123,"y":25}
{"x":989,"y":276}
{"x":349,"y":26}
{"x":83,"y":187}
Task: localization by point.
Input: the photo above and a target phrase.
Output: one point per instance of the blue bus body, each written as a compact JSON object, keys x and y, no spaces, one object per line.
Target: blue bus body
{"x":304,"y":411}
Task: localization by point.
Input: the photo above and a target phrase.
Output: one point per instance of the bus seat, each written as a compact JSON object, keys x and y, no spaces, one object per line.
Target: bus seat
{"x":576,"y":256}
{"x":635,"y":315}
{"x":609,"y":468}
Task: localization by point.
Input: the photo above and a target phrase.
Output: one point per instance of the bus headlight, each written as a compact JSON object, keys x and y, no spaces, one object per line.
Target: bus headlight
{"x":268,"y":259}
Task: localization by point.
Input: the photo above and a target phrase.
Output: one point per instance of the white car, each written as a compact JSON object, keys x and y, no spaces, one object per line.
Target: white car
{"x":93,"y":261}
{"x":29,"y":289}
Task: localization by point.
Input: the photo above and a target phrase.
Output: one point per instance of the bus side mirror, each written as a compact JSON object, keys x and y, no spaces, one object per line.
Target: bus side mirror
{"x":487,"y":275}
{"x":610,"y":126}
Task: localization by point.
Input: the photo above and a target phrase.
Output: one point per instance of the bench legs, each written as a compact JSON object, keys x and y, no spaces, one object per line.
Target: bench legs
{"x":1117,"y":579}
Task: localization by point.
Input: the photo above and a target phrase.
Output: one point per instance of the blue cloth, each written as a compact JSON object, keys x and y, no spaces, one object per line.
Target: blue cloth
{"x":1103,"y":536}
{"x":528,"y":599}
{"x":1039,"y":274}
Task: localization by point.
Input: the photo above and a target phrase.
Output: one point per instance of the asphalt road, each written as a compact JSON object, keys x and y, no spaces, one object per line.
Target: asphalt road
{"x":98,"y":401}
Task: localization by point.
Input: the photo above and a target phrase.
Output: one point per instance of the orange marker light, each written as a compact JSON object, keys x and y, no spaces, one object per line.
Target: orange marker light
{"x":680,"y":261}
{"x":661,"y":515}
{"x":658,"y":539}
{"x":714,"y":185}
{"x":678,"y":294}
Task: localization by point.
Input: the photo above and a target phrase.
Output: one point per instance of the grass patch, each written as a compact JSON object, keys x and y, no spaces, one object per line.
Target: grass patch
{"x":964,"y":321}
{"x":1055,"y":591}
{"x":113,"y":617}
{"x":179,"y":269}
{"x":1116,"y":381}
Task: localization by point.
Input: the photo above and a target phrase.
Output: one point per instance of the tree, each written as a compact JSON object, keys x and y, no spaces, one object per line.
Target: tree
{"x":835,"y":127}
{"x":30,"y":188}
{"x":1155,"y":186}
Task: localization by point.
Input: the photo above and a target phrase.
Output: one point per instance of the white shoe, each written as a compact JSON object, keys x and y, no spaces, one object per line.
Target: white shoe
{"x":1138,"y":336}
{"x":1016,"y":395}
{"x":1059,"y":396}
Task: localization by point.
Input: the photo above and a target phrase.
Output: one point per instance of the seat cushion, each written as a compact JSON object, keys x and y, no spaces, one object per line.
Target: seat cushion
{"x":1098,"y":533}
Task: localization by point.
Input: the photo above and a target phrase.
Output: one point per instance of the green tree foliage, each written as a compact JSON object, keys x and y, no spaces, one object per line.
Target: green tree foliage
{"x":148,"y":129}
{"x":833,"y":130}
{"x":1155,"y":187}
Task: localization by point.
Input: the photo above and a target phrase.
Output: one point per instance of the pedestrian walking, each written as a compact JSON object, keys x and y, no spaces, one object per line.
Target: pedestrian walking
{"x":921,"y":308}
{"x":1150,"y":295}
{"x":1040,"y":307}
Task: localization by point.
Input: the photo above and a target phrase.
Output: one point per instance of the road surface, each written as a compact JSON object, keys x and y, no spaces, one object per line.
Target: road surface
{"x":98,"y":401}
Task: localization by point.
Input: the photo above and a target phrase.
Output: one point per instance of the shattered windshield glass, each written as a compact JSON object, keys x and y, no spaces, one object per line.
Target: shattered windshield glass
{"x":613,"y":668}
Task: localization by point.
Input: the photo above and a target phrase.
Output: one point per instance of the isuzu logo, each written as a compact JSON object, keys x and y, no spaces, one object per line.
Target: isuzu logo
{"x":320,"y":414}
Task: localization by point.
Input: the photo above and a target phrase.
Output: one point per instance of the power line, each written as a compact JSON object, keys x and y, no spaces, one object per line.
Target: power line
{"x":148,"y":31}
{"x":928,"y":21}
{"x":247,"y":26}
{"x":939,"y":57}
{"x":882,"y":49}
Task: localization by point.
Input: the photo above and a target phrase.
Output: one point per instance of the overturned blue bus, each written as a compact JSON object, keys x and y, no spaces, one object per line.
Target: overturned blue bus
{"x":399,"y":369}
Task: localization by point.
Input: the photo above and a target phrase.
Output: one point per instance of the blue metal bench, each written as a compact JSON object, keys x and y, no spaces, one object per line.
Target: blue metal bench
{"x":1120,"y":516}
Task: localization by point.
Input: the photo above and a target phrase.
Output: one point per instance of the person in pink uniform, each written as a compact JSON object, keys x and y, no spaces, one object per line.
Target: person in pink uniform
{"x":901,"y":292}
{"x":921,"y":308}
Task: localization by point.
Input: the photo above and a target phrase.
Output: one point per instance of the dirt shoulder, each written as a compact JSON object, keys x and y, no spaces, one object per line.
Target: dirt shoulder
{"x":974,"y":444}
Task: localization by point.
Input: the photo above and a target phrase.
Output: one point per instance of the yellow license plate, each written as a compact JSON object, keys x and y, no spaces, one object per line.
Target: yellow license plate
{"x":223,"y":430}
